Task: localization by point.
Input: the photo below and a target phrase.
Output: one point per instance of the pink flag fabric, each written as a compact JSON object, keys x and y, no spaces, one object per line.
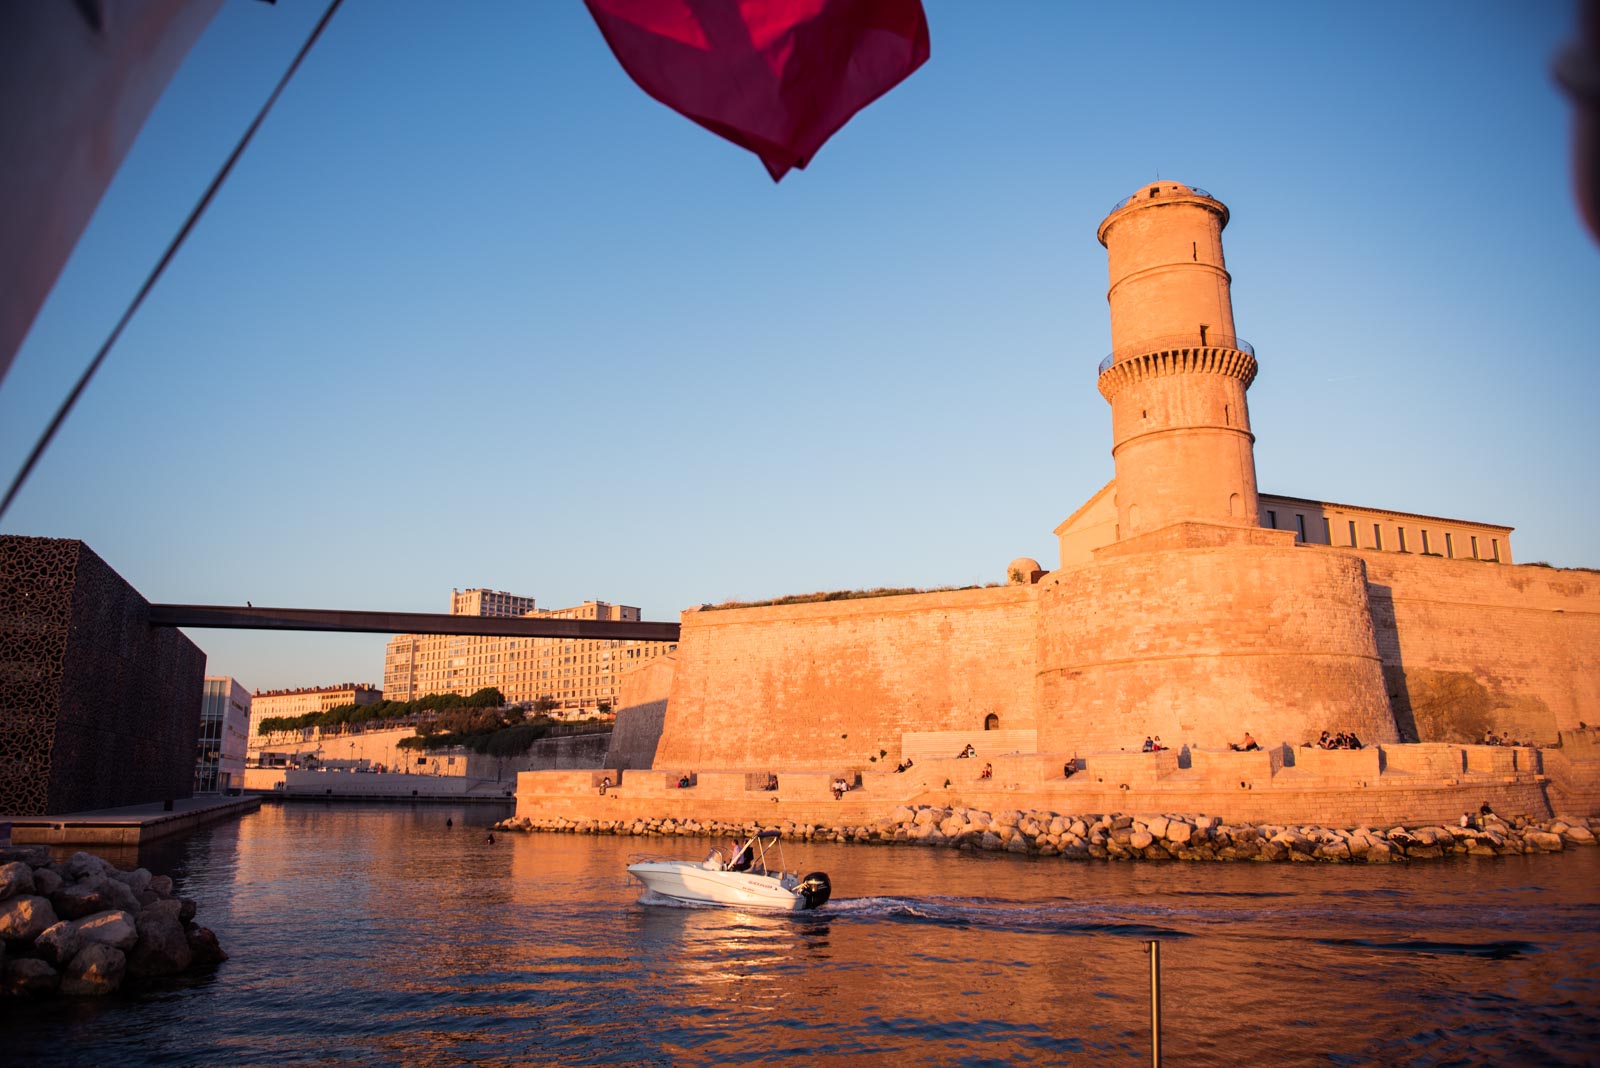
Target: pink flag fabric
{"x":778,"y":77}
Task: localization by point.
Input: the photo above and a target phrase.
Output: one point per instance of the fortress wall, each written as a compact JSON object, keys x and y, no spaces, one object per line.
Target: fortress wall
{"x":641,"y":714}
{"x":829,"y":684}
{"x":1200,"y":645}
{"x":1470,"y":646}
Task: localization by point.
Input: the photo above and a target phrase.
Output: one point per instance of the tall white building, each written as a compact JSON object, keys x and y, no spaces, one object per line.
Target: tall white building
{"x":224,"y":735}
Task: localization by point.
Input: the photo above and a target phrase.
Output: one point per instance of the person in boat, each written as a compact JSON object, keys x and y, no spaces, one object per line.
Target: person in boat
{"x":742,"y":857}
{"x":1248,"y":745}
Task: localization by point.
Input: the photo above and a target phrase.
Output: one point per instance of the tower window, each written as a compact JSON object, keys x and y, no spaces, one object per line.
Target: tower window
{"x":1300,"y":522}
{"x":1402,"y":533}
{"x":1327,"y":532}
{"x":1377,"y":536}
{"x":1203,"y":329}
{"x":1272,"y":519}
{"x":1353,"y":544}
{"x":1450,"y":546}
{"x":1494,"y":544}
{"x":1425,"y":543}
{"x":1474,"y":548}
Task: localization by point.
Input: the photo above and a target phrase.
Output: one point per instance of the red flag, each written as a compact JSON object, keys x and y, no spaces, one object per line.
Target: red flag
{"x":778,"y":77}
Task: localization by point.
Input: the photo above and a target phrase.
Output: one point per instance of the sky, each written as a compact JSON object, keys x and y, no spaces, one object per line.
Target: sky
{"x":475,"y":311}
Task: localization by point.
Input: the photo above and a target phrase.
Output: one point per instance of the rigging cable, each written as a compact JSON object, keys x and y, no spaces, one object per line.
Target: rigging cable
{"x":161,"y":266}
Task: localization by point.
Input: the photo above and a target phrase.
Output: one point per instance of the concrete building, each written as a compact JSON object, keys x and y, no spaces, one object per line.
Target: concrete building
{"x":273,"y":704}
{"x":98,"y":709}
{"x":573,"y":673}
{"x":1187,"y":604}
{"x":224,"y":735}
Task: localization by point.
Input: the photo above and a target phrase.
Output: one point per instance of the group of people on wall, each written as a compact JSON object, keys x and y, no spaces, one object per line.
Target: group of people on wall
{"x":1341,"y":740}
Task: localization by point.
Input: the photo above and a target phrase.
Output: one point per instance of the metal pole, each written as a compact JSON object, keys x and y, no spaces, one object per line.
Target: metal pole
{"x":1155,"y":1004}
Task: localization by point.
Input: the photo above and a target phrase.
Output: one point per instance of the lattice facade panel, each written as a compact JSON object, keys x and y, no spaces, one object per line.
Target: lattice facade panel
{"x":97,"y":708}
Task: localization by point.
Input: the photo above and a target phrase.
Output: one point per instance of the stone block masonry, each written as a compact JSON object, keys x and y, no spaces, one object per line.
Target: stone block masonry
{"x":833,"y":683}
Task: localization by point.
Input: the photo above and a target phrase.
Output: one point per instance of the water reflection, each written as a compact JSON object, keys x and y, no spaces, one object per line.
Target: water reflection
{"x":367,"y":935}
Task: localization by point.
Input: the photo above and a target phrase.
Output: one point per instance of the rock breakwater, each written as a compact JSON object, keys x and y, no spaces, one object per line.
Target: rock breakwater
{"x":1126,"y":836}
{"x":83,"y":926}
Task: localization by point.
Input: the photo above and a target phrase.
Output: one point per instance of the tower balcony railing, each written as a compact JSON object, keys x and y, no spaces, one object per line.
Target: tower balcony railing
{"x":1131,"y":197}
{"x":1177,"y":341}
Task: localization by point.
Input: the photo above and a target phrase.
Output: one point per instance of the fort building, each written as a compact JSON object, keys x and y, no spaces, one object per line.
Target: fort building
{"x":1186,"y":604}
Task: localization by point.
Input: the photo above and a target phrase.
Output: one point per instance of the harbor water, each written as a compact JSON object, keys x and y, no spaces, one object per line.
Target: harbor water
{"x":369,"y":935}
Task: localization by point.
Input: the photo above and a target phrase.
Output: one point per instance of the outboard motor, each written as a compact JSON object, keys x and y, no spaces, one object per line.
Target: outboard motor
{"x":814,"y":889}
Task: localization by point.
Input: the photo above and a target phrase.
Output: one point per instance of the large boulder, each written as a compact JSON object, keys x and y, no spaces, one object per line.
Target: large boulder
{"x":46,"y":882}
{"x":59,"y":942}
{"x":83,"y":865}
{"x":96,"y":970}
{"x":1543,"y":841}
{"x":161,"y":885}
{"x":15,"y":878}
{"x":26,"y":916}
{"x":26,"y":976}
{"x":162,"y":948}
{"x":115,"y":928}
{"x":81,"y":899}
{"x":1179,"y":832}
{"x":206,"y":950}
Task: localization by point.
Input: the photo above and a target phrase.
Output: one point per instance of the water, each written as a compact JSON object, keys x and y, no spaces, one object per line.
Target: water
{"x":368,"y":935}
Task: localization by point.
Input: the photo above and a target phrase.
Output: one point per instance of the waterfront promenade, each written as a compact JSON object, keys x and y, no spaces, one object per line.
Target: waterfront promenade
{"x":129,"y":825}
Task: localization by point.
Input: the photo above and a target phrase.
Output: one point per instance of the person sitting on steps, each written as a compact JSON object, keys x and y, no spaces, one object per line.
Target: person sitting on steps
{"x":988,"y":771}
{"x":967,"y":752}
{"x":1248,"y":745}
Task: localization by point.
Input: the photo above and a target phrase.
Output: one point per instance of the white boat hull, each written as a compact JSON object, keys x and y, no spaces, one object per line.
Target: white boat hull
{"x":697,"y":884}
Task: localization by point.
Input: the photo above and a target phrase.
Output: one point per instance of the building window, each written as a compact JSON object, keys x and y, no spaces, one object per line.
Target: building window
{"x":1425,"y":543}
{"x":1450,"y":546}
{"x":1327,"y":532}
{"x":1402,"y":532}
{"x":1474,"y":547}
{"x":1494,"y":544}
{"x":1353,"y":544}
{"x":1377,"y":536}
{"x":1300,"y":522}
{"x":1272,"y":519}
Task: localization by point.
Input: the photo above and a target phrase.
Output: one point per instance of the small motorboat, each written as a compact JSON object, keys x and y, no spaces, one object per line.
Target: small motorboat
{"x":748,"y":879}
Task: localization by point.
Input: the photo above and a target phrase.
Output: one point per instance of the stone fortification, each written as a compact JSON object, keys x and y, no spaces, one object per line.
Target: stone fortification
{"x":814,"y":685}
{"x":1200,"y":645}
{"x":1183,"y":607}
{"x":1469,"y":646}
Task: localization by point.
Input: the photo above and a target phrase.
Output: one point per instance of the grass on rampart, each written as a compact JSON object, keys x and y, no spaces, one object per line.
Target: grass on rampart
{"x":844,"y":595}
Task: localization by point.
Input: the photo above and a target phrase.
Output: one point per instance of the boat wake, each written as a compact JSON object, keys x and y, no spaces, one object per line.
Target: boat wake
{"x":989,"y":914}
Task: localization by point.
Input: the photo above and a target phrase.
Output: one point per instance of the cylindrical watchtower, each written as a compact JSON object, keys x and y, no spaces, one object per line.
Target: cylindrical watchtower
{"x":1177,"y":374}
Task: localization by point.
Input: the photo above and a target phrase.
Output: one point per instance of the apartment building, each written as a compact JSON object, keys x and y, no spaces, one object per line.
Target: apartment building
{"x":270,"y":704}
{"x":572,"y":673}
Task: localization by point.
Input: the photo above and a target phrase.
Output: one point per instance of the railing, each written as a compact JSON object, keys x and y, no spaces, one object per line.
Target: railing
{"x":1131,"y":197}
{"x":1177,"y":341}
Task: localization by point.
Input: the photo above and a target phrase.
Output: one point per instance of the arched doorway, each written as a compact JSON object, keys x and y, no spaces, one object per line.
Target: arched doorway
{"x":991,"y":722}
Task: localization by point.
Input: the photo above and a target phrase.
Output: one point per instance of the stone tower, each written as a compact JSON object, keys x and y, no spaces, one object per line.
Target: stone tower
{"x":1177,"y":373}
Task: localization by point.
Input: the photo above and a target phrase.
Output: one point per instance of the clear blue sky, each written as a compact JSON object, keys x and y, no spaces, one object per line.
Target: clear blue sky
{"x":475,"y":311}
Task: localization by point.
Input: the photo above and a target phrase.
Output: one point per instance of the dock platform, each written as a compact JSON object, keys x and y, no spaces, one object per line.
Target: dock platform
{"x":131,"y":825}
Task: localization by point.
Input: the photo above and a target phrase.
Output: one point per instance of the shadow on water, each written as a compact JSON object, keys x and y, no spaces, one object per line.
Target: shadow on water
{"x":1486,"y":950}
